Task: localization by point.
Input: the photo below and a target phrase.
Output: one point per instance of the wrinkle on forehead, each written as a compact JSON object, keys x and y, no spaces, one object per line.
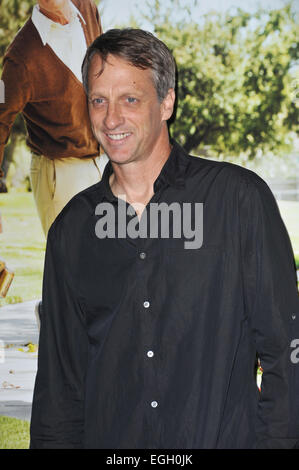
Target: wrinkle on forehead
{"x":106,"y":61}
{"x":123,"y":72}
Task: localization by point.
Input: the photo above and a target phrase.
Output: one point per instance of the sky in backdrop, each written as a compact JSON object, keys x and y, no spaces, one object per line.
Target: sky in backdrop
{"x":118,"y":12}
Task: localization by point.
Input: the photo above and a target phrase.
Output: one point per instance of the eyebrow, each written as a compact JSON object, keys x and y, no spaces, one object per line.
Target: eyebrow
{"x":132,"y":91}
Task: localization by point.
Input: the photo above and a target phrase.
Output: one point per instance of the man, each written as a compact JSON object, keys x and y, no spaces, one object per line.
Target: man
{"x":42,"y":78}
{"x":150,"y":340}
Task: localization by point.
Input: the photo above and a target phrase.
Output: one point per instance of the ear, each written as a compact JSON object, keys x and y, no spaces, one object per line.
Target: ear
{"x":167,"y":105}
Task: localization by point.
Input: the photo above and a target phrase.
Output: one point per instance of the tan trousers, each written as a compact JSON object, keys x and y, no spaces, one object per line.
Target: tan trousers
{"x":55,"y":182}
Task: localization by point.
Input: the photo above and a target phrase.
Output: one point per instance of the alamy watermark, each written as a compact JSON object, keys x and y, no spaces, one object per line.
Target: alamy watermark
{"x":295,"y":353}
{"x":157,"y":220}
{"x":2,"y":92}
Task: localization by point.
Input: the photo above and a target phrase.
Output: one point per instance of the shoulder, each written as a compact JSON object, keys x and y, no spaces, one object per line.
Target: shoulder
{"x":23,"y":46}
{"x":85,"y":5}
{"x":225,"y":172}
{"x":77,"y":212}
{"x":90,"y":13}
{"x":230,"y":182}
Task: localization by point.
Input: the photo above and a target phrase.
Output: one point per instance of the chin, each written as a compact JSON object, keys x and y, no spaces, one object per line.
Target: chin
{"x":119,"y":160}
{"x":118,"y":156}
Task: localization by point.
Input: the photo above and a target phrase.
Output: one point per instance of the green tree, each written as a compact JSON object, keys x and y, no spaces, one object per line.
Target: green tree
{"x":235,"y":77}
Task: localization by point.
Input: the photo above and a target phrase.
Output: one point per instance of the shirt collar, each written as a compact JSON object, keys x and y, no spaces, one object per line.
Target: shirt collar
{"x":172,"y":173}
{"x":44,"y":24}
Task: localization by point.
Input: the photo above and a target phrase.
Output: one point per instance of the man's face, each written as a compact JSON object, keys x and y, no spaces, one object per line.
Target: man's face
{"x":126,"y":115}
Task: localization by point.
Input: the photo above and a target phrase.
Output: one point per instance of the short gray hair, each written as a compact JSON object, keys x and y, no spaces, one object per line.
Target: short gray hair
{"x":141,"y":49}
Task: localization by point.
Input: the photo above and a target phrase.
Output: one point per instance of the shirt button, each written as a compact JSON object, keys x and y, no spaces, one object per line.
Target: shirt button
{"x":146,"y":304}
{"x":142,"y":255}
{"x":150,"y":354}
{"x":154,"y":404}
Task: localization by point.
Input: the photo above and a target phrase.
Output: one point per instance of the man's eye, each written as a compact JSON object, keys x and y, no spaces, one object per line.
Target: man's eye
{"x":130,"y":99}
{"x":97,"y":101}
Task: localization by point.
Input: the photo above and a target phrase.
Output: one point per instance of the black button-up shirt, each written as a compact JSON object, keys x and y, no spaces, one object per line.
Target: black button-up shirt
{"x":146,"y":344}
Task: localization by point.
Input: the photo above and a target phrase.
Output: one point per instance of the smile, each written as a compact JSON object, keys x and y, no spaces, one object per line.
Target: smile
{"x":118,"y":137}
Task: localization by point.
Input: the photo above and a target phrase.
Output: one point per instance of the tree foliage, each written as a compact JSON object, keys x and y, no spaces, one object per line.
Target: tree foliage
{"x":235,"y":78}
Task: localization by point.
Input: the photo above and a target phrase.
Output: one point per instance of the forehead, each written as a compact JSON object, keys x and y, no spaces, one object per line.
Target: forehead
{"x":117,"y":72}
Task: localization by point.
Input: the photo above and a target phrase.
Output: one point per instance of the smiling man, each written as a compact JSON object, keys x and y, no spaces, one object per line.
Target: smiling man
{"x":129,"y":117}
{"x":146,"y":342}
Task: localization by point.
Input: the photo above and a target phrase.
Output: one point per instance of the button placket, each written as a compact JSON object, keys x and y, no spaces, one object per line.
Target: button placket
{"x":146,"y":304}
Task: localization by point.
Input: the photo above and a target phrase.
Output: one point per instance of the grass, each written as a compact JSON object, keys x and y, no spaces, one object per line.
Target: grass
{"x":14,"y":433}
{"x":22,"y":246}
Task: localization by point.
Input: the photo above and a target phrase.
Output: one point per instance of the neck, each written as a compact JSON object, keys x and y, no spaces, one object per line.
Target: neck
{"x":60,"y":16}
{"x":135,"y":180}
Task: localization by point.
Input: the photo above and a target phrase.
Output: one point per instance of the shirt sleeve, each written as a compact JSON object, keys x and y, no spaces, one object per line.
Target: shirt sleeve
{"x":17,"y":92}
{"x":272,"y":305}
{"x":57,"y":419}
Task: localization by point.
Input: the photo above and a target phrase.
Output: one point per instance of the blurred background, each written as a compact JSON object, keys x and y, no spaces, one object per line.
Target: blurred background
{"x":238,"y":100}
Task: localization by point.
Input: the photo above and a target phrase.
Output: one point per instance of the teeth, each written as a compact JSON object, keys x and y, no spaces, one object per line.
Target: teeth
{"x":118,"y":136}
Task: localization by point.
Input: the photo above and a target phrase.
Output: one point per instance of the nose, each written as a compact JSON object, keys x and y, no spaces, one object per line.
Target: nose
{"x":113,"y":117}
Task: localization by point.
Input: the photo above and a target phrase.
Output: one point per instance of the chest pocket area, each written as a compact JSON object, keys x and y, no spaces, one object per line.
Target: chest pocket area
{"x":195,"y":274}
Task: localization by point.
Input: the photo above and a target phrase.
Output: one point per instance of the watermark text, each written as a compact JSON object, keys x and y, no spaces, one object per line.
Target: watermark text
{"x":2,"y":92}
{"x":157,"y":220}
